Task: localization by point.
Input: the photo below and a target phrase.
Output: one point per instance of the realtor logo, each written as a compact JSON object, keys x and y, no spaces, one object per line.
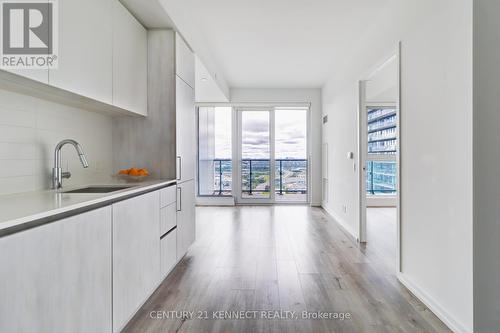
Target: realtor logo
{"x":29,"y":38}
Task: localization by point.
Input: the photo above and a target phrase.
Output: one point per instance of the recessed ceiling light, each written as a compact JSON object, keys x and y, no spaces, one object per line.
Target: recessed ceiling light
{"x":204,"y":79}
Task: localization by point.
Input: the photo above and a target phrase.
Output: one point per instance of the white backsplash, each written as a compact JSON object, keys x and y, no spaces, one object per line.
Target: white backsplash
{"x":30,"y":128}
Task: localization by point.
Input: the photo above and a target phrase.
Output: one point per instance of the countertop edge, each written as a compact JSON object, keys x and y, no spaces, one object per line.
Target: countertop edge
{"x":35,"y":220}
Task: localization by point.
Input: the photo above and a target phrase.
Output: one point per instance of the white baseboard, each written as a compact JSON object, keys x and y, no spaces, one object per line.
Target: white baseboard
{"x":345,"y":227}
{"x":452,"y":323}
{"x":215,"y":201}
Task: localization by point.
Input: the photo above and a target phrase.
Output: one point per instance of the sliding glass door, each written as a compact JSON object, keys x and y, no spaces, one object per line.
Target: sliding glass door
{"x":272,"y":155}
{"x":266,"y":162}
{"x":255,"y":162}
{"x":290,"y":153}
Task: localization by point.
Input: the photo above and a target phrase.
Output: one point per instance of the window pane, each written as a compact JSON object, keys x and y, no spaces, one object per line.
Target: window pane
{"x":215,"y":168}
{"x":381,"y":130}
{"x":255,"y":153}
{"x":381,"y":178}
{"x":291,"y":154}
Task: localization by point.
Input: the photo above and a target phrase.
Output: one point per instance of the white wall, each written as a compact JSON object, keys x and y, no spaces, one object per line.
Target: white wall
{"x":382,"y":86}
{"x":436,"y":116}
{"x":312,"y":96}
{"x":207,"y":90}
{"x":30,"y":128}
{"x":486,"y":166}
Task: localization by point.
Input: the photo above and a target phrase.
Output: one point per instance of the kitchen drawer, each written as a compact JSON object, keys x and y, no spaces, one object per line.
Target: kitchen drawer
{"x":167,"y":196}
{"x":168,"y":248}
{"x":168,"y":218}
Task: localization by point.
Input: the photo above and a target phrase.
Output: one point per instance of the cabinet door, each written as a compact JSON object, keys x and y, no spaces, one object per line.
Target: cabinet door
{"x":168,"y":252}
{"x":57,"y":277}
{"x":186,"y":227}
{"x":186,"y":131}
{"x":184,"y":61}
{"x":130,"y":61}
{"x":85,"y":49}
{"x":168,"y":218}
{"x":136,"y":254}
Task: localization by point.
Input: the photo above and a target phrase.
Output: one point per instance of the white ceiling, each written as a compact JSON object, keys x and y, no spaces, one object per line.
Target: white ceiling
{"x":277,"y":43}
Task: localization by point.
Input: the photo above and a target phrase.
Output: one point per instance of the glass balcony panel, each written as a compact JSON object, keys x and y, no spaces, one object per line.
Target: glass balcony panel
{"x":291,"y":180}
{"x":255,"y":178}
{"x":381,"y":178}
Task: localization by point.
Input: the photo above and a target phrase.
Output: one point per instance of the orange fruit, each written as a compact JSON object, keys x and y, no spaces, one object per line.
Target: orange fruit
{"x":123,"y":172}
{"x":144,"y":172}
{"x":134,"y":172}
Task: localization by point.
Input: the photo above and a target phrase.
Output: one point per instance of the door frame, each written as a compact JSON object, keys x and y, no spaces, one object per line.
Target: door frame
{"x":362,"y":137}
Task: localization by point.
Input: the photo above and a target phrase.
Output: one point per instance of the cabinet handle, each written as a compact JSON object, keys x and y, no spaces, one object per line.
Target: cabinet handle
{"x":179,"y":199}
{"x":179,"y":168}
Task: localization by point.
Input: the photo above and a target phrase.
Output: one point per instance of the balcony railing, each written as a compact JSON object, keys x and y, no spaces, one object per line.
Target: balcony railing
{"x":290,"y":176}
{"x":223,"y":174}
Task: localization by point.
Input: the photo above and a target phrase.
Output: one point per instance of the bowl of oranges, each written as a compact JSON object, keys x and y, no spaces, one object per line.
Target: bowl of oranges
{"x":133,"y":174}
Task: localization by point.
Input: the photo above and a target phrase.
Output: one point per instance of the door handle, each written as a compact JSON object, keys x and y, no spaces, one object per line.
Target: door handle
{"x":179,"y":199}
{"x":179,"y":168}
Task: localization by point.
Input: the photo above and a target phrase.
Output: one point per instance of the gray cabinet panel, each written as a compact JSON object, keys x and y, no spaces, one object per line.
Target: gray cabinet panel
{"x":186,"y":131}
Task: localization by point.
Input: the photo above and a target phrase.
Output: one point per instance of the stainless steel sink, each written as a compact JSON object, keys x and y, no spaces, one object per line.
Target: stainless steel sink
{"x":98,"y":189}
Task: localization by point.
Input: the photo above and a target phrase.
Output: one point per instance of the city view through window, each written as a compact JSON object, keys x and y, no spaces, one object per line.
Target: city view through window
{"x":290,"y":154}
{"x":381,"y":162}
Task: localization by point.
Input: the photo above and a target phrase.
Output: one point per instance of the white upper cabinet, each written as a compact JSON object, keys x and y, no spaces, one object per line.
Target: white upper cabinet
{"x":184,"y":61}
{"x":85,"y":49}
{"x":130,"y":61}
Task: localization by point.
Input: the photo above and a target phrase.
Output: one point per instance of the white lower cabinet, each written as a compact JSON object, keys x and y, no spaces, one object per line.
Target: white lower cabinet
{"x":136,"y":254}
{"x":186,"y":230}
{"x":57,"y":277}
{"x":168,"y":245}
{"x":168,"y":219}
{"x":91,"y":272}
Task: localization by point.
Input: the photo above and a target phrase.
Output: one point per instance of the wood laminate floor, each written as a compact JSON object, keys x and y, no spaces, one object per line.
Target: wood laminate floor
{"x":293,"y":258}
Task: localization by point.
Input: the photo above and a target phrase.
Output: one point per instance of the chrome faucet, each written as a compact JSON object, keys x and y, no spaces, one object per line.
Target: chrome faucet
{"x":57,"y":173}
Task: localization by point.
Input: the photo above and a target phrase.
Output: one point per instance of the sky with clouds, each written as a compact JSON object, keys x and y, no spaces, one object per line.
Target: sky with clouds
{"x":290,"y":134}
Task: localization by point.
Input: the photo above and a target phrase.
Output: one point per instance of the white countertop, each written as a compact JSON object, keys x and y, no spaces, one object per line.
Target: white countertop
{"x":21,"y":209}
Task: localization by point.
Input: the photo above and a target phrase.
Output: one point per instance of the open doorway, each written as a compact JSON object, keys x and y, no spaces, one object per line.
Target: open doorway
{"x":379,"y":136}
